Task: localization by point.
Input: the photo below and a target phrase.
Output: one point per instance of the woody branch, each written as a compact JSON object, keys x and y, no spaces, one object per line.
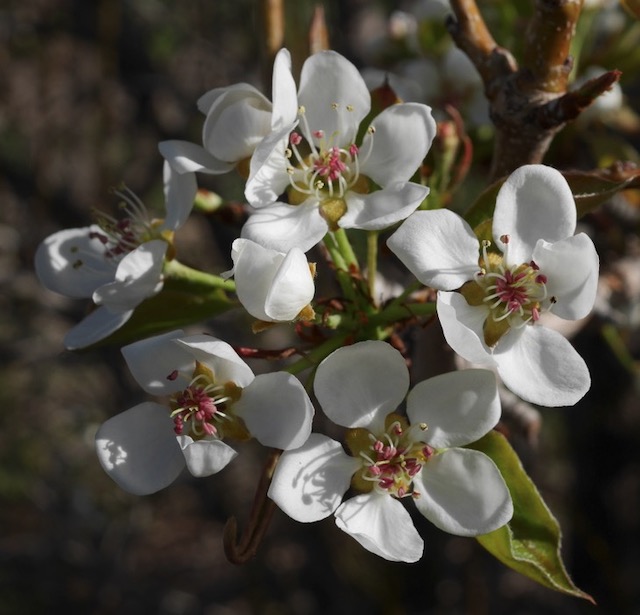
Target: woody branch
{"x":529,"y":102}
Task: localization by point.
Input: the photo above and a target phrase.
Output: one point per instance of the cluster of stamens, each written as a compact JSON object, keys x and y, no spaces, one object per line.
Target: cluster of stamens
{"x":197,"y":408}
{"x":516,"y":293}
{"x":123,"y":235}
{"x":391,"y":462}
{"x":327,"y":171}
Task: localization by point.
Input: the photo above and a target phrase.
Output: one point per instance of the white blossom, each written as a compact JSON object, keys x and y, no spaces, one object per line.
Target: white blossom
{"x":535,"y":264}
{"x":238,"y":117}
{"x":212,"y":396}
{"x":117,"y":263}
{"x":323,"y":172}
{"x":272,"y":286}
{"x":392,"y":458}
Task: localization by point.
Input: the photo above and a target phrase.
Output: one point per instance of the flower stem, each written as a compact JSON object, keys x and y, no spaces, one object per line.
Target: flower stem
{"x":342,"y":270}
{"x":241,"y":551}
{"x":315,"y":356}
{"x":344,"y":245}
{"x":176,"y":271}
{"x":372,"y":263}
{"x":371,"y":326}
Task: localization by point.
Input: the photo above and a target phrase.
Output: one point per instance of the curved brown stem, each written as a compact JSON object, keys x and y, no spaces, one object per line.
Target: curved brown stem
{"x":242,"y":550}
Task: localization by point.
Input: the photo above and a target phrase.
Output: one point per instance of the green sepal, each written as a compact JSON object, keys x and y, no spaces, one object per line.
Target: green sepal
{"x":530,"y":542}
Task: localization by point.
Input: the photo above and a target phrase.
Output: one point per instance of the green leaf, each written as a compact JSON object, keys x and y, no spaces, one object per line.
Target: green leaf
{"x":188,"y":296}
{"x":530,"y":542}
{"x":172,"y":308}
{"x":592,"y":189}
{"x":482,"y":208}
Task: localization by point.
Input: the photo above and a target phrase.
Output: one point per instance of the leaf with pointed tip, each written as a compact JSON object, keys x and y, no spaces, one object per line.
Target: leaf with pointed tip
{"x":590,"y":190}
{"x":530,"y":542}
{"x":178,"y":304}
{"x":594,"y":188}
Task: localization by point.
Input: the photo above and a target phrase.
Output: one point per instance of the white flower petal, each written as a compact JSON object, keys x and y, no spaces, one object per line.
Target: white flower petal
{"x":151,"y":361}
{"x":402,"y":138}
{"x":138,"y":449}
{"x":271,"y":286}
{"x":218,"y":356}
{"x":98,"y":325}
{"x":292,"y":288}
{"x":277,"y":410}
{"x":139,"y":276}
{"x":309,"y":482}
{"x":382,"y":208}
{"x":285,"y":98}
{"x":236,"y":132}
{"x":213,"y":101}
{"x":238,"y":117}
{"x":458,"y":407}
{"x":462,"y":492}
{"x":462,"y":327}
{"x":542,"y":367}
{"x":535,"y":202}
{"x":187,"y":157}
{"x":438,"y":247}
{"x":179,"y":193}
{"x":254,"y":268}
{"x":382,"y":525}
{"x":571,"y":266}
{"x":205,"y":457}
{"x":268,"y":177}
{"x":334,"y":95}
{"x":282,"y":227}
{"x":72,"y":263}
{"x":358,"y":385}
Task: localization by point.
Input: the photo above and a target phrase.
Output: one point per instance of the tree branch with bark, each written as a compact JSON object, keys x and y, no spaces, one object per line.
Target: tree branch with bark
{"x":529,"y":101}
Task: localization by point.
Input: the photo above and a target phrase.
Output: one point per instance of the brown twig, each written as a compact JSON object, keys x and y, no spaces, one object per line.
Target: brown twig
{"x":241,"y":551}
{"x":570,"y":105}
{"x":529,"y":103}
{"x":471,"y":34}
{"x":547,"y":43}
{"x":318,"y":31}
{"x":273,"y":22}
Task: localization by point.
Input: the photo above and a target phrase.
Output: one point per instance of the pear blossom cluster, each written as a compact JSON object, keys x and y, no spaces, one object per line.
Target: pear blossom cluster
{"x":316,"y":163}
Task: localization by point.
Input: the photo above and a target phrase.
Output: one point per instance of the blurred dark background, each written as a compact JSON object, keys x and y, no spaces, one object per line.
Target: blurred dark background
{"x":88,"y":88}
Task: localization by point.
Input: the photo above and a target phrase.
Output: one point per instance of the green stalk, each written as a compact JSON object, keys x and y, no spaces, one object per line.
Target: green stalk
{"x":178,"y":272}
{"x":342,"y":271}
{"x":315,"y":356}
{"x":390,"y":315}
{"x":372,"y":263}
{"x":344,"y":245}
{"x":377,"y":326}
